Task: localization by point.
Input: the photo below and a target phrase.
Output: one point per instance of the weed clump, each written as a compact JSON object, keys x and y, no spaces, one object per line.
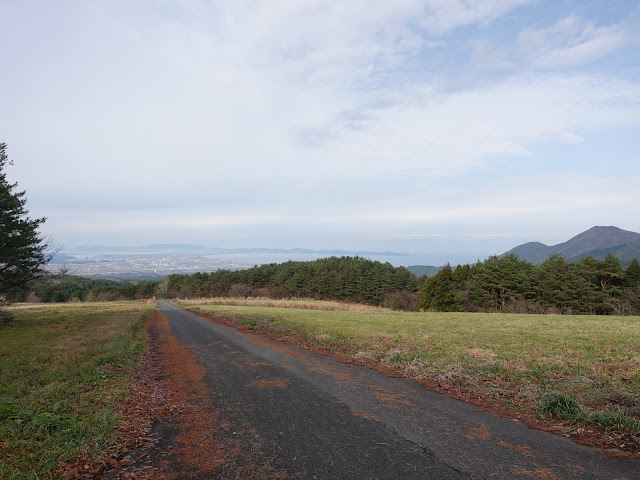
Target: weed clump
{"x":560,"y":405}
{"x":616,"y":420}
{"x":565,"y":407}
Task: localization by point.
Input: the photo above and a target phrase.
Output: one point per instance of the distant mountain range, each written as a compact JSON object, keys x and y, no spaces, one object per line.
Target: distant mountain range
{"x":188,"y":249}
{"x":597,"y":241}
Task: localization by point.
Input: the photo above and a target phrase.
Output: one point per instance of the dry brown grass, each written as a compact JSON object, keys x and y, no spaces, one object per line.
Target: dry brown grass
{"x":302,"y":303}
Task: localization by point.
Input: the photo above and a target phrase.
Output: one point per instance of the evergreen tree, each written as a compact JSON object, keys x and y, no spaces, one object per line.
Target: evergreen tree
{"x":631,"y":274}
{"x":23,"y":252}
{"x":461,"y":274}
{"x":585,"y":292}
{"x":631,"y":282}
{"x":610,"y":272}
{"x":552,"y":282}
{"x":439,"y":292}
{"x":499,"y":280}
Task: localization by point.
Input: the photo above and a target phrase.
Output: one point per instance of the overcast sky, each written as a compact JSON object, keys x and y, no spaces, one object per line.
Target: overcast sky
{"x":450,"y":126}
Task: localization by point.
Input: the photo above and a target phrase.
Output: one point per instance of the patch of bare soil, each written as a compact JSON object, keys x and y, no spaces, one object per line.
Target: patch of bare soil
{"x":267,"y":383}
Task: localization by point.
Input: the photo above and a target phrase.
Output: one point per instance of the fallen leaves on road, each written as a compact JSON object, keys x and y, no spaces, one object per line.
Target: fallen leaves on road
{"x":194,"y":439}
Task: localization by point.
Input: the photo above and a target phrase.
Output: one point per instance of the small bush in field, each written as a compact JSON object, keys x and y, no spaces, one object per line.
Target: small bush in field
{"x":239,"y":290}
{"x":402,"y":300}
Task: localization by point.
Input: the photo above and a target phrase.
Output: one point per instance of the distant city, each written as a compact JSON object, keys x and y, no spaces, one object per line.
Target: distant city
{"x":143,"y":267}
{"x":153,"y":262}
{"x":156,"y":261}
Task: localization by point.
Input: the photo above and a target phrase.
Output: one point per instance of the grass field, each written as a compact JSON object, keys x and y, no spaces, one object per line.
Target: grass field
{"x":582,"y":372}
{"x":65,"y":369}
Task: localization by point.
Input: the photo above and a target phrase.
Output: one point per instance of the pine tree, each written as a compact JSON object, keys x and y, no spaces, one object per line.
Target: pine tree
{"x":552,"y":282}
{"x":609,"y":272}
{"x":585,"y":292}
{"x":439,"y":292}
{"x":500,"y":280}
{"x":631,"y":275}
{"x":23,"y":252}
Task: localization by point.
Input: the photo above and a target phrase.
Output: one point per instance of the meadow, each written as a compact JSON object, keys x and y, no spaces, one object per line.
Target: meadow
{"x":66,"y":369}
{"x":578,"y":373}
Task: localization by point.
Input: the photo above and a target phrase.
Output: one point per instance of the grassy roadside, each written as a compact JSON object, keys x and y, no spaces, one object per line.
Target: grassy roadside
{"x":579,"y":373}
{"x":65,"y":370}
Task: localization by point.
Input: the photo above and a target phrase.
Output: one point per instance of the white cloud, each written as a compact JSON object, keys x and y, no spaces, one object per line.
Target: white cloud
{"x":440,"y":134}
{"x":445,"y":15}
{"x":568,"y":196}
{"x":570,"y":42}
{"x":233,"y":114}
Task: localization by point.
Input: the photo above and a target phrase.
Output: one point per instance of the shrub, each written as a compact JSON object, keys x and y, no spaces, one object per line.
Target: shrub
{"x":268,"y":291}
{"x":239,"y":290}
{"x":402,"y":300}
{"x":33,"y":298}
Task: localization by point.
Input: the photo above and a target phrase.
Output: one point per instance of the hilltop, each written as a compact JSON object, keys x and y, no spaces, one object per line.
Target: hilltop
{"x":597,"y":241}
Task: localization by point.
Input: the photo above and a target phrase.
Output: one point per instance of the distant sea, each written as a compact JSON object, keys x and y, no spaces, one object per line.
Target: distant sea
{"x":395,"y":260}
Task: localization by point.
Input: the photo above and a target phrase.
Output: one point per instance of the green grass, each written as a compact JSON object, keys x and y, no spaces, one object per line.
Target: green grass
{"x":65,"y":369}
{"x":592,"y":362}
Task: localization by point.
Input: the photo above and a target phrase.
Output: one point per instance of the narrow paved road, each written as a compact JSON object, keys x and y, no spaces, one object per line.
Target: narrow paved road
{"x":310,"y":416}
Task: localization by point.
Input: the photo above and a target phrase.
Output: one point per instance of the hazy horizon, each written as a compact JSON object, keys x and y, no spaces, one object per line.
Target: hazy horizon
{"x":261,"y":255}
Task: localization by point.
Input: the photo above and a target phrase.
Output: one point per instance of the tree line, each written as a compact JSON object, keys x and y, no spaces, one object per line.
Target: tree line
{"x":72,"y":288}
{"x":509,"y":284}
{"x":351,"y":279}
{"x":499,"y":284}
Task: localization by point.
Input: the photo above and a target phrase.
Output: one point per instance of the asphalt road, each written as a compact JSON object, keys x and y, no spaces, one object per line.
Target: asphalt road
{"x":313,"y":417}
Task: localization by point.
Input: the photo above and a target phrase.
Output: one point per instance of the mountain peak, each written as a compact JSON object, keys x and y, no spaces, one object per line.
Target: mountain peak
{"x":597,"y":241}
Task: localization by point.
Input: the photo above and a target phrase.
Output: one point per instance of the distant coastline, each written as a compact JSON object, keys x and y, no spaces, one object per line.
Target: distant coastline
{"x":157,"y":261}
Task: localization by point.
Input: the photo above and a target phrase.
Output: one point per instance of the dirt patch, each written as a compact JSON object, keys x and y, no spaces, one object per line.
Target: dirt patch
{"x":267,"y":383}
{"x":392,"y":399}
{"x":358,"y":413}
{"x":257,"y":364}
{"x":518,"y":448}
{"x":480,"y":433}
{"x":542,"y":473}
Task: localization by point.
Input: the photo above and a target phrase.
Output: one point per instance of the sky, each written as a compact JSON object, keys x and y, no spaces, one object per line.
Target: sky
{"x":452,"y":127}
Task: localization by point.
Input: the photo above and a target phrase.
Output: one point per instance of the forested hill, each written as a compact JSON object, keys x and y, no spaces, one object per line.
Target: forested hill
{"x":420,"y":270}
{"x":596,"y":242}
{"x":352,"y":279}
